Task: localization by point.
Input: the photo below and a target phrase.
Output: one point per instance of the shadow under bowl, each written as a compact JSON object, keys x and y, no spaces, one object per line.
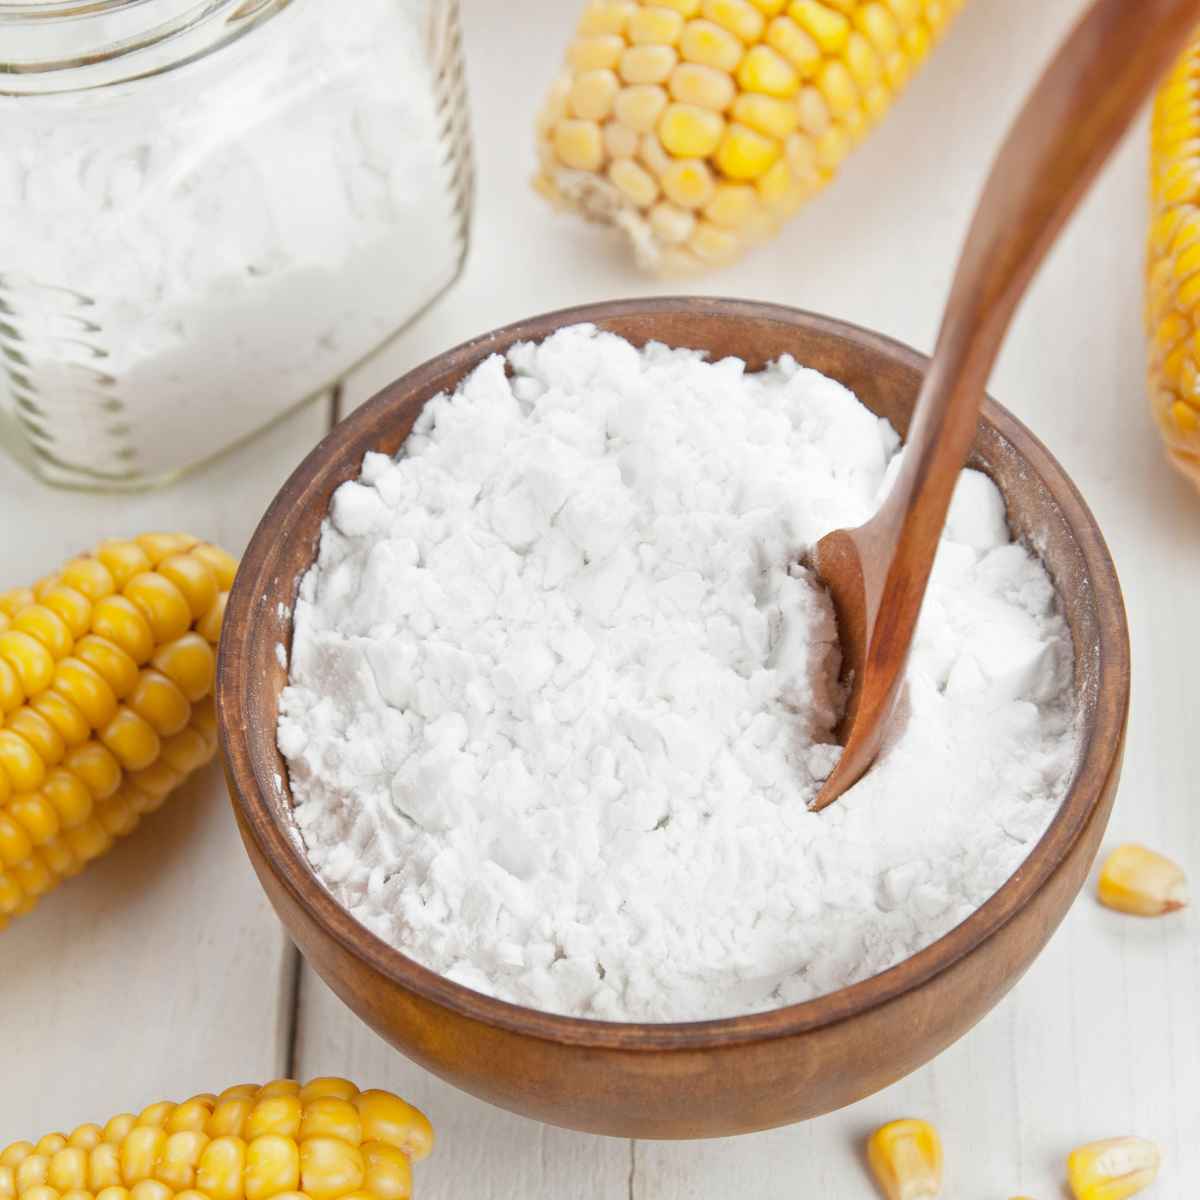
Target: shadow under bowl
{"x":707,"y":1078}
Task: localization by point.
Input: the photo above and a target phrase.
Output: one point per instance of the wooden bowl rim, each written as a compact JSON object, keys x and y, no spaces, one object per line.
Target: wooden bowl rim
{"x":258,"y":804}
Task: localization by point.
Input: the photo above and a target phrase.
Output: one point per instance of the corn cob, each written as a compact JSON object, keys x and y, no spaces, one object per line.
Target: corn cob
{"x":105,"y":673}
{"x":1173,"y":262}
{"x":698,"y":126}
{"x":906,"y":1159}
{"x":323,"y":1141}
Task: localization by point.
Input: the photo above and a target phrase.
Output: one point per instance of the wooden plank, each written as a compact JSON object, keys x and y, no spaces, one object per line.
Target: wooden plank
{"x":160,"y":971}
{"x":1099,"y":1038}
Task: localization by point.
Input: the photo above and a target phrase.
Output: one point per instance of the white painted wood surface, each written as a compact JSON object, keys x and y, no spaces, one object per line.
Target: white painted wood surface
{"x":160,"y":971}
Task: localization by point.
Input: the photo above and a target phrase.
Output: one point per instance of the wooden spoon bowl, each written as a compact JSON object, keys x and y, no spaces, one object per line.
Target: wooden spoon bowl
{"x":706,"y":1078}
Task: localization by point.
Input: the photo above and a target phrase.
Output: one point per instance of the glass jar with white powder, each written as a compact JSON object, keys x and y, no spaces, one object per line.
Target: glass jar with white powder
{"x":210,"y":211}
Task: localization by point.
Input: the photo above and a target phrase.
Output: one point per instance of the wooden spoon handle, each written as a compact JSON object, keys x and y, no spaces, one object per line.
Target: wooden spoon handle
{"x":1085,"y":100}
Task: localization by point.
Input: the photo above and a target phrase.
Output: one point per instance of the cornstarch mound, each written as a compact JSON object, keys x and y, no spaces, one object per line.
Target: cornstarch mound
{"x":560,"y":692}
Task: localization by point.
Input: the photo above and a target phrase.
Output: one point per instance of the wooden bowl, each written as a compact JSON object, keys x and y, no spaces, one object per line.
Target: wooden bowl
{"x":707,"y":1078}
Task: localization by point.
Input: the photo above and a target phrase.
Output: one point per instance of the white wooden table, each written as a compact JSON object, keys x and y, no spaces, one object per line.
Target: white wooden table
{"x":161,"y":971}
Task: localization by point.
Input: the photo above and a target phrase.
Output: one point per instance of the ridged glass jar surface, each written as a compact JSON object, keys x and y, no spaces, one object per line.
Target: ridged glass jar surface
{"x":210,"y":212}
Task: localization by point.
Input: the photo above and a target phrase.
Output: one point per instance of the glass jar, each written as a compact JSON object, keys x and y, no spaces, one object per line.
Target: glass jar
{"x":210,"y":212}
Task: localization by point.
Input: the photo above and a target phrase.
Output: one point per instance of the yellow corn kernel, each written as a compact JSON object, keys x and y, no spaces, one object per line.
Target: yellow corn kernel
{"x":745,"y":153}
{"x":71,"y":724}
{"x":89,"y":576}
{"x":46,"y":741}
{"x":71,"y":800}
{"x":591,"y":98}
{"x":332,"y":1116}
{"x":109,"y":661}
{"x":328,"y":1087}
{"x":12,"y":694}
{"x":46,"y":626}
{"x":276,"y":1114}
{"x":330,"y":1167}
{"x":32,"y":662}
{"x":87,"y":1137}
{"x":82,"y":686}
{"x":605,"y":16}
{"x":96,"y":767}
{"x":124,"y":560}
{"x":832,"y":147}
{"x":182,"y":754}
{"x":160,"y":703}
{"x":11,"y":895}
{"x":671,"y":224}
{"x":705,"y":42}
{"x":220,"y":562}
{"x":652,"y":154}
{"x":387,"y":1118}
{"x":162,"y":603}
{"x":140,"y":1151}
{"x":31,"y":1172}
{"x":906,"y":1158}
{"x":119,"y":814}
{"x":687,"y":182}
{"x":916,"y":42}
{"x":1112,"y":1169}
{"x":619,"y":141}
{"x":122,"y":623}
{"x":1139,"y":881}
{"x":797,"y":46}
{"x":878,"y":26}
{"x":34,"y":875}
{"x":193,"y":578}
{"x":15,"y":843}
{"x":905,"y":11}
{"x":68,"y":1169}
{"x":765,"y":114}
{"x":837,"y":86}
{"x":578,"y":144}
{"x":712,"y":244}
{"x":654,"y":25}
{"x":829,"y":28}
{"x":388,"y":1173}
{"x":192,"y":1116}
{"x":638,"y":107}
{"x":190,"y":664}
{"x":161,"y":545}
{"x":272,"y":1166}
{"x":739,"y":17}
{"x":765,"y":70}
{"x":221,"y":1169}
{"x":131,"y":739}
{"x":690,"y":131}
{"x":15,"y":599}
{"x":694,"y":83}
{"x":732,"y":205}
{"x":634,"y":182}
{"x":72,"y":607}
{"x":647,"y":64}
{"x":35,"y":816}
{"x":20,"y":762}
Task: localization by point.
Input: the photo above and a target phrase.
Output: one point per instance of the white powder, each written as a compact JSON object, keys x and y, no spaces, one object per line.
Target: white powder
{"x":559,"y":694}
{"x":185,"y":257}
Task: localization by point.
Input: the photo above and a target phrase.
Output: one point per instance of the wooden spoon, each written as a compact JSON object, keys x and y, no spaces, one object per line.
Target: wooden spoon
{"x":876,"y":573}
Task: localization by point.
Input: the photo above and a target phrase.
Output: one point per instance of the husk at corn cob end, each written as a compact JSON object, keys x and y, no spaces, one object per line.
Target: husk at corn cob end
{"x":324,"y":1140}
{"x":1173,"y":262}
{"x":699,"y":126}
{"x":106,"y":674}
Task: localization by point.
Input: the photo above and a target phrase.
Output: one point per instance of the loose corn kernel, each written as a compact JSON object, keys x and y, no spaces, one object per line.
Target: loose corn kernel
{"x":1139,"y":881}
{"x":906,"y":1158}
{"x":1112,"y":1169}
